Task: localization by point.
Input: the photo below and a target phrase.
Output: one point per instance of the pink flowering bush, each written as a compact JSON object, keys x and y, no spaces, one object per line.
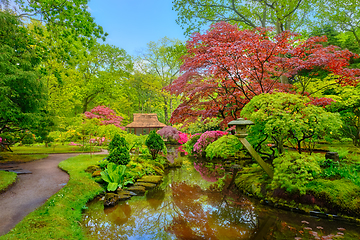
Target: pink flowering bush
{"x":97,"y":141}
{"x":183,"y":138}
{"x":106,"y":115}
{"x":205,"y":139}
{"x":169,"y":133}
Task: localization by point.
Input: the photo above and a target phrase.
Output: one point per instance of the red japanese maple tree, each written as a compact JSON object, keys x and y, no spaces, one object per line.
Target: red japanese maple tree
{"x":226,"y":67}
{"x":106,"y":115}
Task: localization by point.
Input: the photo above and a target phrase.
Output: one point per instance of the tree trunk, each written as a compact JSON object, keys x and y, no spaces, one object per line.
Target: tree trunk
{"x":165,"y":110}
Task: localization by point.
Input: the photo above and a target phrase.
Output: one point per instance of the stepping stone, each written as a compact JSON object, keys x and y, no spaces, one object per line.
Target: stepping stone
{"x":146,"y":185}
{"x":150,"y":179}
{"x":139,"y":190}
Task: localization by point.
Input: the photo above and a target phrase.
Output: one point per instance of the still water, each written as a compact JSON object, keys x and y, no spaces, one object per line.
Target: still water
{"x":184,"y":207}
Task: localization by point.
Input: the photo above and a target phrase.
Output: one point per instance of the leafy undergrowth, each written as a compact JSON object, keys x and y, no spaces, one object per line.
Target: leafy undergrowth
{"x":9,"y":157}
{"x":60,"y":216}
{"x":6,"y":179}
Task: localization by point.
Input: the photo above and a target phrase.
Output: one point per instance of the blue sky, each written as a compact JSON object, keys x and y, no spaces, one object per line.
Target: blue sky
{"x":131,"y":24}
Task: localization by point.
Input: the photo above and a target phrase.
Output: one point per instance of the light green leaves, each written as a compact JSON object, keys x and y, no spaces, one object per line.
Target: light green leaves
{"x":114,"y":175}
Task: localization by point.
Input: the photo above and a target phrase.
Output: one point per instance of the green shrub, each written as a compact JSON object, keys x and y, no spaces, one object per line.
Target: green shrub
{"x":292,"y":171}
{"x":120,"y":156}
{"x":225,"y":147}
{"x":189,"y":145}
{"x":154,"y":143}
{"x":117,"y":141}
{"x":115,"y":176}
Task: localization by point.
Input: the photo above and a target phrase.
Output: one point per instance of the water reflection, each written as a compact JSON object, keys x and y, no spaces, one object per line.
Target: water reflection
{"x":184,"y":207}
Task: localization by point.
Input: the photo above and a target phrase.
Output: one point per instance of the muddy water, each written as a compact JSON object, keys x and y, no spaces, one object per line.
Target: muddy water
{"x":184,"y":207}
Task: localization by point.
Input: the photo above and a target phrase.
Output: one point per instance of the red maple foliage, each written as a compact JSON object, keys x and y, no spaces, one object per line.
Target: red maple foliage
{"x":226,"y":67}
{"x":106,"y":115}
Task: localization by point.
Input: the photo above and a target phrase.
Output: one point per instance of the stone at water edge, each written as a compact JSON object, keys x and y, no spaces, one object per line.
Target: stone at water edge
{"x":146,"y":185}
{"x":125,"y":192}
{"x":91,"y":169}
{"x":139,"y":190}
{"x":111,"y":199}
{"x":96,"y":174}
{"x":150,"y":179}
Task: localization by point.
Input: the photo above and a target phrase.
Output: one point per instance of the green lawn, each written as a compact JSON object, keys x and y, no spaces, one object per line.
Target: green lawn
{"x":20,"y":158}
{"x":55,"y":148}
{"x":60,"y":216}
{"x":6,"y":179}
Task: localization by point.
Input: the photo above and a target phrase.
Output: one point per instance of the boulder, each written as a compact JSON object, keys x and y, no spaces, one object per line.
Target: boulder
{"x":96,"y":173}
{"x":332,"y":155}
{"x":146,"y":185}
{"x":138,"y":190}
{"x":92,"y":168}
{"x":111,"y":199}
{"x":150,"y":179}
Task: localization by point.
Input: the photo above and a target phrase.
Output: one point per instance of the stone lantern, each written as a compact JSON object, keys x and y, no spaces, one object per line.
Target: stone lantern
{"x":241,"y":124}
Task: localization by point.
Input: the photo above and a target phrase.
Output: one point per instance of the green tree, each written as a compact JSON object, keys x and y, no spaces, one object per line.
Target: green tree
{"x":284,"y":15}
{"x":154,"y":143}
{"x":285,"y":117}
{"x":162,"y":59}
{"x":22,"y":91}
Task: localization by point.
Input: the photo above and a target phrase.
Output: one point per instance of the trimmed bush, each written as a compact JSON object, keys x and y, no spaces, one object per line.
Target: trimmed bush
{"x":119,"y":155}
{"x":154,"y":143}
{"x":117,"y":141}
{"x":225,"y":147}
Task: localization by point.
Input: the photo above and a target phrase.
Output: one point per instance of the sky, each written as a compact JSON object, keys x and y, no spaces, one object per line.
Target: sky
{"x":131,"y":24}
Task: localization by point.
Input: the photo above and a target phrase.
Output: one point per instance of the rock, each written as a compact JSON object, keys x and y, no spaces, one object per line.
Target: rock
{"x":146,"y":185}
{"x":111,"y":199}
{"x":123,"y":196}
{"x":150,"y":179}
{"x":92,"y":168}
{"x":96,"y":173}
{"x":126,"y":192}
{"x":332,"y":155}
{"x":139,"y":190}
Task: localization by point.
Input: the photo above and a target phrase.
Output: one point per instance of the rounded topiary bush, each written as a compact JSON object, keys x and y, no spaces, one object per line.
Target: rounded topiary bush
{"x":117,"y":141}
{"x":225,"y":147}
{"x":119,"y":155}
{"x":154,"y":143}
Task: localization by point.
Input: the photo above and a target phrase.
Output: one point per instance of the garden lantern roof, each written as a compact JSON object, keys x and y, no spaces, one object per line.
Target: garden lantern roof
{"x":241,"y":122}
{"x":145,"y":120}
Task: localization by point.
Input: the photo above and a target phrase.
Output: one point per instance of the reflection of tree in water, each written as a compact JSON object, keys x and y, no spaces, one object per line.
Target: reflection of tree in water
{"x":203,"y":217}
{"x":155,"y":197}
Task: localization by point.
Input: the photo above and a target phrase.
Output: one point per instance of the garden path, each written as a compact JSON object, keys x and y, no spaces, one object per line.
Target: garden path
{"x":32,"y":190}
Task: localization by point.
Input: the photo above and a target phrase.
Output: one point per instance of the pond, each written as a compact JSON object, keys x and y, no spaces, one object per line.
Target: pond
{"x":184,"y":206}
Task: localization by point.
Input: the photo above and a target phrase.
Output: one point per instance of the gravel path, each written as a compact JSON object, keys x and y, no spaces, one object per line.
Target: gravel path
{"x":32,"y":190}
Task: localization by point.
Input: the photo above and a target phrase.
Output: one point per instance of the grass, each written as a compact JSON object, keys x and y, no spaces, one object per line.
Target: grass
{"x":17,"y":158}
{"x":55,"y":148}
{"x":60,"y":216}
{"x":6,"y":179}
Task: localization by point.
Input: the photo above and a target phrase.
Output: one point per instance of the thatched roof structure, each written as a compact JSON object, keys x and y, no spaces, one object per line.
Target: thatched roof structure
{"x":145,"y":120}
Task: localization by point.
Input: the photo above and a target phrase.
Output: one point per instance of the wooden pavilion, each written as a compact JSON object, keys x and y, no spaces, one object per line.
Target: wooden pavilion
{"x":143,"y":123}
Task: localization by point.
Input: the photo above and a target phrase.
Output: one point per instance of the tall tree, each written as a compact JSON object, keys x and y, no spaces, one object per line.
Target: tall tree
{"x":343,"y":15}
{"x":22,"y":92}
{"x":225,"y":68}
{"x":282,"y":14}
{"x":163,"y":60}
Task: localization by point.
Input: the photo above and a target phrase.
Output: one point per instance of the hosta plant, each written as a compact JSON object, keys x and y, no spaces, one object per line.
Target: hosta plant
{"x":114,"y":175}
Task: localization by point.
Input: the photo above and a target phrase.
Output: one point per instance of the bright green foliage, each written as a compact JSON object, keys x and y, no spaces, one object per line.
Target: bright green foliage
{"x":154,"y":143}
{"x":189,"y":145}
{"x":292,"y":171}
{"x":225,"y":147}
{"x":22,"y":92}
{"x":342,"y":194}
{"x":114,"y":175}
{"x":117,"y":141}
{"x":120,"y":155}
{"x":289,"y":117}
